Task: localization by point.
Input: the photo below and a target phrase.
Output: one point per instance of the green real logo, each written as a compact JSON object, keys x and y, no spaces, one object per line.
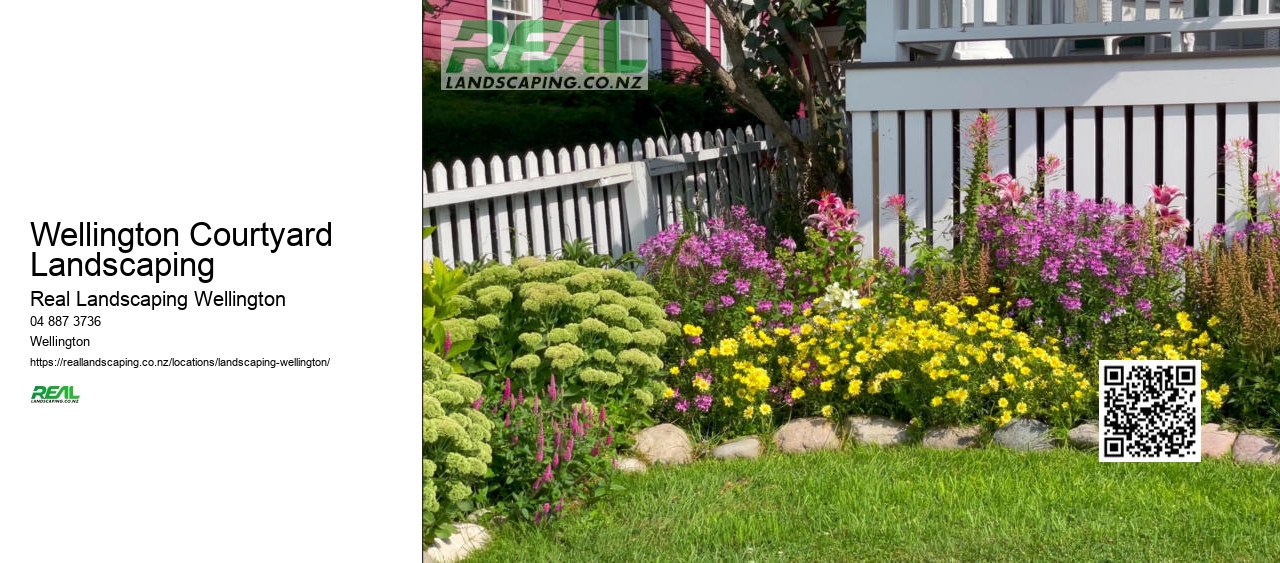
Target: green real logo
{"x":545,"y":55}
{"x":54,"y":394}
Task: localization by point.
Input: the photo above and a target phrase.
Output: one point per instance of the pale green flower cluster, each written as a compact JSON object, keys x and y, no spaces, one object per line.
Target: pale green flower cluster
{"x":455,"y":441}
{"x":494,"y":297}
{"x":600,"y":329}
{"x":593,"y":375}
{"x":488,"y":322}
{"x":564,"y":356}
{"x":460,"y":328}
{"x":531,"y":339}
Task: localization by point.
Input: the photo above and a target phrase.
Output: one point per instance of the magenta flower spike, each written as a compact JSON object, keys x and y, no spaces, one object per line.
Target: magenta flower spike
{"x":541,"y":442}
{"x":551,"y":389}
{"x":448,"y":343}
{"x":506,"y":391}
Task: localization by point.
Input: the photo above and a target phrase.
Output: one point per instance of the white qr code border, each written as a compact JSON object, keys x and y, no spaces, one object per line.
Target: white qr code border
{"x":1112,"y":446}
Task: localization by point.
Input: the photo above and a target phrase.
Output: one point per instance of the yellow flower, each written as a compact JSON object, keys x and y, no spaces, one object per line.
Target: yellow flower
{"x":1021,"y":408}
{"x":1003,"y":402}
{"x":1005,"y":418}
{"x":874,"y":387}
{"x":693,"y":361}
{"x":921,"y":305}
{"x":1204,"y":384}
{"x":690,"y":330}
{"x":750,"y":411}
{"x":750,"y":310}
{"x":855,"y":387}
{"x":668,"y":393}
{"x":728,"y":401}
{"x":1214,"y":399}
{"x":765,"y":409}
{"x":826,"y":385}
{"x":971,"y":301}
{"x":827,"y":410}
{"x":797,"y":393}
{"x":675,"y":370}
{"x":937,"y":401}
{"x":1223,"y":389}
{"x":1214,"y":320}
{"x":699,"y":353}
{"x":993,"y":290}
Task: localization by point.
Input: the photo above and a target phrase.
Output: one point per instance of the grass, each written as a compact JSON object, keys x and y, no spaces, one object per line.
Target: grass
{"x":913,"y":504}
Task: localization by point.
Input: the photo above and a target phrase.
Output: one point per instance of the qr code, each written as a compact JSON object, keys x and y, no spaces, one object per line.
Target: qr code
{"x":1149,"y":410}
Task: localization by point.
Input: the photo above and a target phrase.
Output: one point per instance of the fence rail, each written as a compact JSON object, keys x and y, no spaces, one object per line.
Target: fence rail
{"x":1118,"y":125}
{"x":615,"y":195}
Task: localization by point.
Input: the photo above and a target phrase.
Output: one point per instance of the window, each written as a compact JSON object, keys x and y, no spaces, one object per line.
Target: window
{"x":515,"y":10}
{"x":639,"y":28}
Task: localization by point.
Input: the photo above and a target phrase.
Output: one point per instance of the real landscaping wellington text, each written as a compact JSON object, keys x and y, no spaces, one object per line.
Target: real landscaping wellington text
{"x":127,"y":239}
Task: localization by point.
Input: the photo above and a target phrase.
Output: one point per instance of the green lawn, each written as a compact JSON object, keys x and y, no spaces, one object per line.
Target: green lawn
{"x":913,"y":504}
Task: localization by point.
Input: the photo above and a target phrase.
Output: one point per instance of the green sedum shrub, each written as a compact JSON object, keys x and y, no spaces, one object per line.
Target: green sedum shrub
{"x":600,"y":332}
{"x":455,"y":446}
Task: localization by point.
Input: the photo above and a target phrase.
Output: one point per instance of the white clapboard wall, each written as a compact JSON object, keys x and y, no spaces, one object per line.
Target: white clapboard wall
{"x":614,"y":195}
{"x":1118,"y":123}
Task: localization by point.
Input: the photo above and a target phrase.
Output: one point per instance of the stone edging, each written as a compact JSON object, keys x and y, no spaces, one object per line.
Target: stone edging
{"x":669,"y":444}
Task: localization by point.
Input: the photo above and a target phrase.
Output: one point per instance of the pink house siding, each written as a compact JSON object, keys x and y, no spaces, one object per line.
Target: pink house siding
{"x":456,"y":10}
{"x":693,"y":12}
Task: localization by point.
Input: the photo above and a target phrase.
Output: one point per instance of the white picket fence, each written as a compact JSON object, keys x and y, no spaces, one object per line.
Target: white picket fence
{"x":616,"y":196}
{"x":1118,"y":123}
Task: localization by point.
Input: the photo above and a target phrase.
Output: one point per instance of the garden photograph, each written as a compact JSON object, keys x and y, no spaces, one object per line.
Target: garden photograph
{"x":914,"y":280}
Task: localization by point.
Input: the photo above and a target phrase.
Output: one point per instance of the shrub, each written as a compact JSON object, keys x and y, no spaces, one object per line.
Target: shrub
{"x":1089,"y":273}
{"x":1181,"y":342}
{"x":928,"y":363}
{"x":460,"y":125}
{"x":554,"y":451}
{"x":601,"y":333}
{"x":1233,"y":287}
{"x":709,"y":279}
{"x":455,"y":446}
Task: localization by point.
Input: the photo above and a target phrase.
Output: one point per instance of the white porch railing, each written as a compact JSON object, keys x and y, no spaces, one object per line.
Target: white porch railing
{"x":897,"y":25}
{"x":614,"y":195}
{"x":1118,"y":124}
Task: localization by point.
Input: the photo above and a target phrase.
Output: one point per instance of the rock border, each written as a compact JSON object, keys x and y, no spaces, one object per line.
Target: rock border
{"x":811,"y":434}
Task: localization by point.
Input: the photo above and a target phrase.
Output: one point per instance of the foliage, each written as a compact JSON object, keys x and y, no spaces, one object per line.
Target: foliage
{"x":439,"y":285}
{"x":461,"y":125}
{"x":912,"y":360}
{"x":1233,"y":283}
{"x":582,"y":252}
{"x":1180,"y":342}
{"x":779,"y":38}
{"x":554,"y":451}
{"x":1087,"y":272}
{"x":600,"y":332}
{"x":455,"y":446}
{"x":708,"y":279}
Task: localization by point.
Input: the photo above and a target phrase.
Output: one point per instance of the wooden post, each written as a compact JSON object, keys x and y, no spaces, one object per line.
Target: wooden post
{"x":642,"y":216}
{"x":884,"y":19}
